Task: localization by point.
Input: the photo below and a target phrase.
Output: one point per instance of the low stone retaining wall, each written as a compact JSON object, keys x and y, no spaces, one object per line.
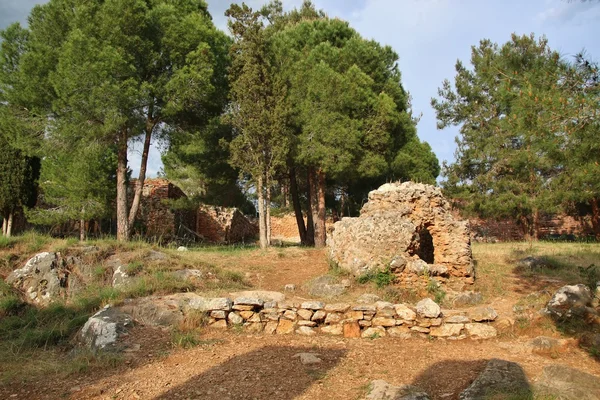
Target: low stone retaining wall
{"x":344,"y":319}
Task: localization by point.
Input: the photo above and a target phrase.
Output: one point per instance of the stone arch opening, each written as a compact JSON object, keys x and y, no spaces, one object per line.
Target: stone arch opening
{"x":425,"y":248}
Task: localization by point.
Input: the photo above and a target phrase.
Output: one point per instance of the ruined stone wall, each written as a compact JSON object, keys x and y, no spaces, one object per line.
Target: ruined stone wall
{"x":285,"y":228}
{"x":156,"y":219}
{"x":224,"y":225}
{"x":409,"y":228}
{"x":508,"y":230}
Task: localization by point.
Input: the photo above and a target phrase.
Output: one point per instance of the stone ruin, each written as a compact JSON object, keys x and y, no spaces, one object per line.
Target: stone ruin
{"x":224,"y":225}
{"x":409,"y":228}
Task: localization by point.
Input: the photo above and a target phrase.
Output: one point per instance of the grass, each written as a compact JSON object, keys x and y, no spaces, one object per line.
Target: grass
{"x":381,"y":278}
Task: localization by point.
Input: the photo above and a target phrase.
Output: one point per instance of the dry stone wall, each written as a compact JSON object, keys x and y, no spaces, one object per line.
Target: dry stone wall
{"x":307,"y":317}
{"x":408,"y":227}
{"x":224,"y":225}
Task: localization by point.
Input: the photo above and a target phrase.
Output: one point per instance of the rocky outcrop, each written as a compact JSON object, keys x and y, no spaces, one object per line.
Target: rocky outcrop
{"x":571,"y":301}
{"x":407,"y":227}
{"x":563,"y":382}
{"x":103,"y":330}
{"x":47,"y":277}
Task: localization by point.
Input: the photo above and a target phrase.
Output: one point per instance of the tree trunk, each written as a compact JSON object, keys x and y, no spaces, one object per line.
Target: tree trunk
{"x":596,"y":217}
{"x":261,"y":214}
{"x":122,"y":220}
{"x":297,"y":207}
{"x":285,"y":193}
{"x":9,"y":224}
{"x":536,"y":225}
{"x":82,"y":230}
{"x":311,"y":213}
{"x":4,"y":220}
{"x":268,"y":209}
{"x":139,"y":185}
{"x":320,"y":231}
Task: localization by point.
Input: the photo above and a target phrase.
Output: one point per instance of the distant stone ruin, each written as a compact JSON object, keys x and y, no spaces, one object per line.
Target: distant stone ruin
{"x":224,"y":225}
{"x":409,"y":228}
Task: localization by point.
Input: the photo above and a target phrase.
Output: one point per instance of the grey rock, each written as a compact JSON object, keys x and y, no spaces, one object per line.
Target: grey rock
{"x":161,"y":311}
{"x":404,"y":312}
{"x":189,"y":275}
{"x":235,"y":319}
{"x":481,"y":331}
{"x":44,"y":278}
{"x":308,"y":358}
{"x":381,"y":390}
{"x":566,"y":383}
{"x":209,"y":304}
{"x":290,"y":287}
{"x":103,"y":330}
{"x":420,"y":267}
{"x":182,"y":248}
{"x":570,"y":301}
{"x":532,"y":263}
{"x":249,"y":301}
{"x":499,"y":377}
{"x":154,"y":255}
{"x":120,"y":278}
{"x":544,"y":343}
{"x":428,"y":308}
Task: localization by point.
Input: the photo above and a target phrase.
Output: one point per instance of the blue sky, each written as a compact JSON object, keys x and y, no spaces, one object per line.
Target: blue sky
{"x":429,"y":36}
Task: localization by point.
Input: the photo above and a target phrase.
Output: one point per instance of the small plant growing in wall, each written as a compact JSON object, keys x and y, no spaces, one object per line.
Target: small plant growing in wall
{"x":381,"y":278}
{"x":434,"y":288}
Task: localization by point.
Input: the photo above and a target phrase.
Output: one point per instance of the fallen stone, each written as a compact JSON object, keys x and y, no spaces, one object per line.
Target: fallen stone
{"x":481,"y":331}
{"x":154,"y":255}
{"x":103,"y":330}
{"x":428,"y":308}
{"x":308,"y":358}
{"x":566,"y":383}
{"x":533,"y":263}
{"x":120,"y":278}
{"x":381,"y":390}
{"x":290,"y":287}
{"x":182,"y":248}
{"x":499,"y":378}
{"x":482,"y":314}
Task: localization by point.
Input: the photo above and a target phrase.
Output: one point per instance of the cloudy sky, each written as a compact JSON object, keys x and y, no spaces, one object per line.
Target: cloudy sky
{"x":429,"y":36}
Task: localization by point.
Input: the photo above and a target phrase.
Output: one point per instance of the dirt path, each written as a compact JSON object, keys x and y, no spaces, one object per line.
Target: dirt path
{"x":239,"y":366}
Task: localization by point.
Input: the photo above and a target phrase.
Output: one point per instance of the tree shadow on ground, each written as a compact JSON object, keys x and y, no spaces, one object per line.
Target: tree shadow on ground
{"x":449,"y":378}
{"x":270,"y":372}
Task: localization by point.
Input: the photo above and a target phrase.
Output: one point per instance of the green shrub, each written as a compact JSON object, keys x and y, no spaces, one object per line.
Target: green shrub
{"x":381,"y":278}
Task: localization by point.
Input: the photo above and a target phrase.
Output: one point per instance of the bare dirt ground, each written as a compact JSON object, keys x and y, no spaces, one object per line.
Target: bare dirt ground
{"x":235,"y":365}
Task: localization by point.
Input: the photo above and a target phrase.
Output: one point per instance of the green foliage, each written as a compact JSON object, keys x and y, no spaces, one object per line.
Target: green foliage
{"x":134,"y":268}
{"x":435,"y":289}
{"x":524,"y":115}
{"x":381,"y":278}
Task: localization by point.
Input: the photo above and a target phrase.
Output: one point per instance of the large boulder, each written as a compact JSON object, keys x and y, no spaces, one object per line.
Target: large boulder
{"x":103,"y":330}
{"x":562,"y":382}
{"x":325,"y":286}
{"x":571,"y":301}
{"x":407,"y":227}
{"x":499,"y":378}
{"x":46,"y":277}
